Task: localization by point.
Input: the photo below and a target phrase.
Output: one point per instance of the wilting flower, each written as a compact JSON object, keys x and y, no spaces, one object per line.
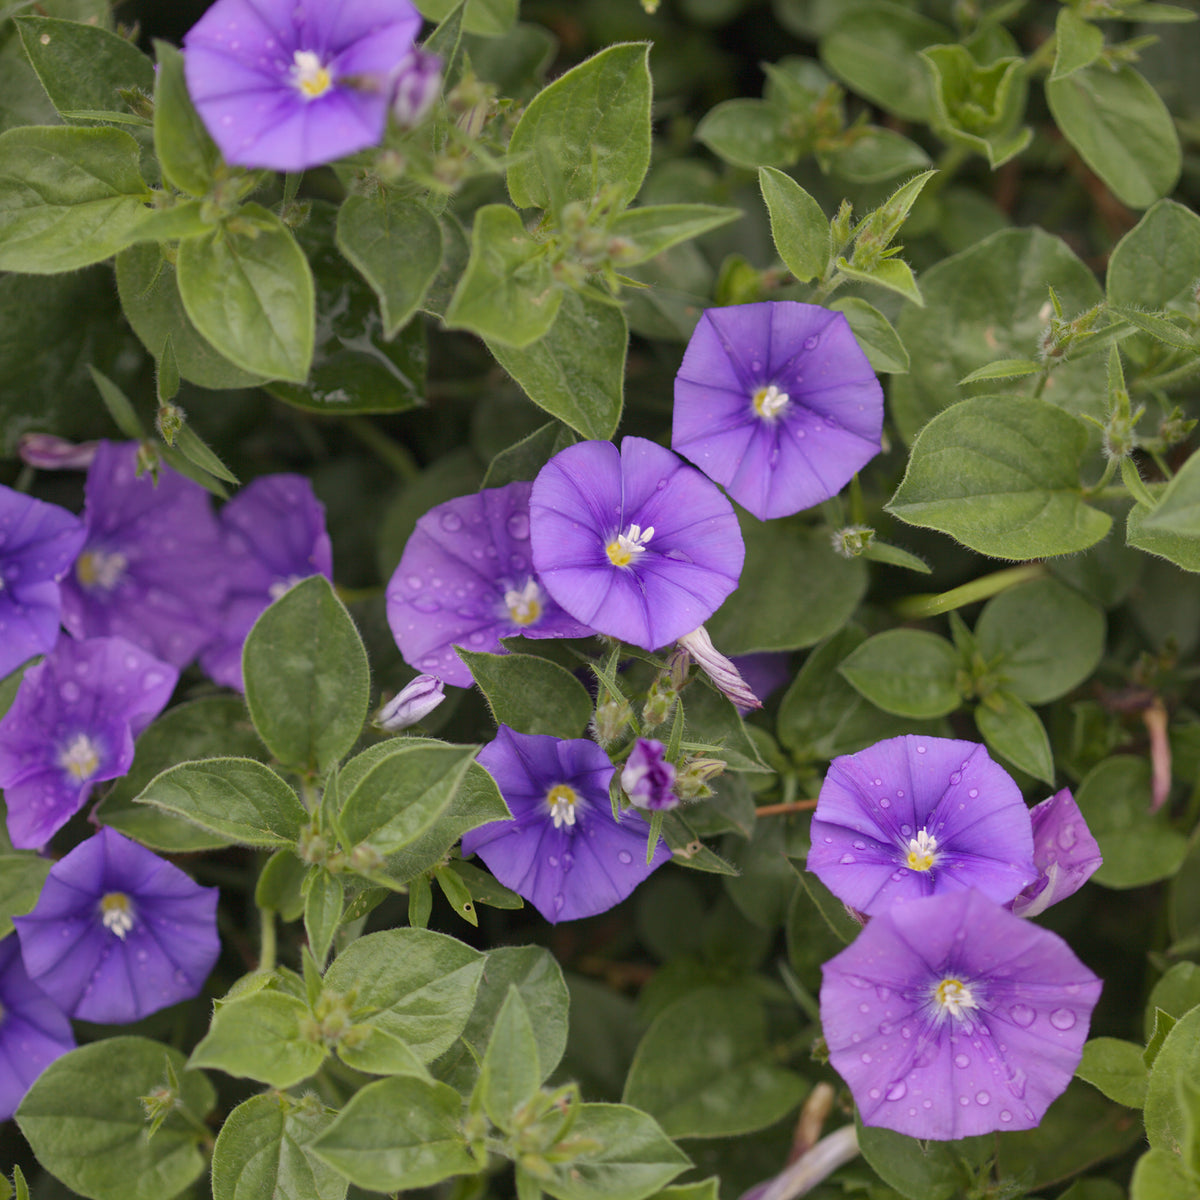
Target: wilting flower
{"x":726,"y":678}
{"x":647,"y":777}
{"x":633,"y":542}
{"x":914,"y":815}
{"x":562,"y":850}
{"x":38,"y":543}
{"x":412,"y":703}
{"x":118,"y":932}
{"x":777,"y":403}
{"x":50,"y":453}
{"x":949,"y":1017}
{"x":273,"y":535}
{"x":466,"y":579}
{"x":71,"y":726}
{"x":417,"y":83}
{"x":1064,"y":852}
{"x":290,"y":84}
{"x":151,"y":569}
{"x":33,"y":1030}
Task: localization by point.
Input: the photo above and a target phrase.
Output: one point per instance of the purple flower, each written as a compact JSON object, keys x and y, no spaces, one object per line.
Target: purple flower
{"x":949,"y":1017}
{"x":417,"y":83}
{"x":151,"y":569}
{"x":118,"y":932}
{"x":38,"y":542}
{"x":273,"y":532}
{"x":72,"y":725}
{"x":290,"y":84}
{"x":725,"y":676}
{"x":647,"y":777}
{"x":777,"y":403}
{"x":915,"y":815}
{"x":33,"y":1030}
{"x":763,"y":672}
{"x":466,"y":579}
{"x":1064,"y":852}
{"x":413,"y":703}
{"x":633,"y":542}
{"x":562,"y":850}
{"x":50,"y":453}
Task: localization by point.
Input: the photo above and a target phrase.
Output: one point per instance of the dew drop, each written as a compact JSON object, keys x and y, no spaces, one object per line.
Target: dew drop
{"x":1067,"y":836}
{"x":828,"y":841}
{"x":973,"y":793}
{"x":625,"y":857}
{"x":982,"y":1098}
{"x":451,"y":522}
{"x":906,"y":830}
{"x":962,"y":1061}
{"x":964,"y":1100}
{"x":518,"y":526}
{"x":1023,"y":1015}
{"x":1005,"y":1115}
{"x":559,"y":901}
{"x":920,"y":749}
{"x":865,"y":1057}
{"x":847,"y":859}
{"x":882,"y":992}
{"x":926,"y":1103}
{"x":885,"y":802}
{"x":897,"y":1091}
{"x":810,"y":343}
{"x":955,"y":778}
{"x":552,"y":861}
{"x":864,"y":1007}
{"x":874,"y":1093}
{"x":860,"y":845}
{"x":1063,"y":1019}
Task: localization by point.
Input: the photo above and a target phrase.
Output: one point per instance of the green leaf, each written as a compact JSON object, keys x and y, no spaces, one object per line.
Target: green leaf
{"x":835,"y":914}
{"x":1172,"y":529}
{"x":82,"y":66}
{"x":189,"y":158}
{"x":576,"y":372}
{"x":922,"y":1170}
{"x":531,"y":695}
{"x":749,"y":133}
{"x":507,"y":293}
{"x":1167,"y":1119}
{"x":207,"y":728}
{"x":1116,"y":1069}
{"x":402,"y":794}
{"x":1158,"y":327}
{"x":236,"y":798}
{"x":1138,"y":848}
{"x":263,"y":1150}
{"x":484,"y":888}
{"x":322,"y":912}
{"x":307,"y":680}
{"x":69,"y":196}
{"x":1121,"y":128}
{"x":1077,"y":43}
{"x":149,"y":294}
{"x":21,"y":879}
{"x":524,"y":459}
{"x":119,"y":407}
{"x":397,"y":1134}
{"x":1155,"y":265}
{"x":248,"y":289}
{"x":1164,"y":1022}
{"x":704,"y":1068}
{"x":870,"y":154}
{"x":1001,"y":475}
{"x":280,"y":884}
{"x":412,"y":986}
{"x":397,"y":245}
{"x":1005,"y":368}
{"x":907,"y":672}
{"x":197,"y":452}
{"x":1015,"y":732}
{"x":794,"y":591}
{"x":1046,"y":637}
{"x":874,"y":333}
{"x":799,"y":226}
{"x":510,"y":1074}
{"x":455,"y":889}
{"x":891,"y":273}
{"x":84,"y":1119}
{"x":635,"y":1158}
{"x":893,"y":556}
{"x":986,"y":304}
{"x":1161,"y":1175}
{"x":261,"y":1036}
{"x":1177,"y":992}
{"x":658,"y":227}
{"x":590,"y":129}
{"x":492,"y":18}
{"x":874,"y":50}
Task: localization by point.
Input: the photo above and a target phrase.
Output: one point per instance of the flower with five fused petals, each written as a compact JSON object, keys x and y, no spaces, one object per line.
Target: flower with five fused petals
{"x":466,"y":578}
{"x":71,"y":726}
{"x":562,"y":850}
{"x":118,"y":932}
{"x":291,"y":84}
{"x":777,"y":402}
{"x":914,"y":815}
{"x":633,"y":542}
{"x":1064,"y":852}
{"x":38,"y":543}
{"x":950,"y":1017}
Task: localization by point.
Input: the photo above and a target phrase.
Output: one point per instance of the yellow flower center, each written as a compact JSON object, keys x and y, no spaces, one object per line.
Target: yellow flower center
{"x":922,"y":850}
{"x":525,"y":606}
{"x":953,"y":996}
{"x":81,"y":758}
{"x":625,"y":547}
{"x":562,"y":801}
{"x":769,"y":401}
{"x":116,"y":913}
{"x":311,"y":78}
{"x":95,"y":568}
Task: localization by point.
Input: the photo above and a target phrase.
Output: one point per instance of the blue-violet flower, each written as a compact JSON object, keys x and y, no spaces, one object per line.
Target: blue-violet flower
{"x":118,"y":932}
{"x":647,"y":777}
{"x":1064,"y":852}
{"x":777,"y":403}
{"x":411,"y":704}
{"x":562,"y":850}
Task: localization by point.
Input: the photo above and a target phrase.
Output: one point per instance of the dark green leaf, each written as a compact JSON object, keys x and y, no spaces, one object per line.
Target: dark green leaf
{"x":21,"y":879}
{"x":658,"y":227}
{"x":749,"y":133}
{"x":488,"y":17}
{"x":799,"y":227}
{"x":874,"y":333}
{"x":510,"y":1073}
{"x":189,"y":158}
{"x":907,"y":672}
{"x":531,"y":695}
{"x":261,"y":1036}
{"x":1115,"y":1068}
{"x":1013,"y":731}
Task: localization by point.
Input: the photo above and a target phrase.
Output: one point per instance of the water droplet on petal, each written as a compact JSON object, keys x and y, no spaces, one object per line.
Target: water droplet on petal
{"x":1062,"y":1018}
{"x":962,"y":1061}
{"x":518,"y":526}
{"x":955,"y":778}
{"x":973,"y":793}
{"x":920,"y":749}
{"x":1023,"y":1015}
{"x":810,"y":343}
{"x":865,"y":1057}
{"x":625,"y":857}
{"x":1005,"y":1115}
{"x":885,"y":803}
{"x":847,"y":859}
{"x":897,"y":1091}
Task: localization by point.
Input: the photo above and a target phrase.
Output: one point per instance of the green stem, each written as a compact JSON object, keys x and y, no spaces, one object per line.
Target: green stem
{"x":1110,"y":469}
{"x":386,"y":449}
{"x":1168,"y":378}
{"x":913,"y":608}
{"x":266,"y":953}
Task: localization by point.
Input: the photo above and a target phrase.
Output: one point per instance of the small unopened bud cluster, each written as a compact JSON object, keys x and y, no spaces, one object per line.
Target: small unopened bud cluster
{"x":612,"y":718}
{"x":852,"y":540}
{"x":693,"y":775}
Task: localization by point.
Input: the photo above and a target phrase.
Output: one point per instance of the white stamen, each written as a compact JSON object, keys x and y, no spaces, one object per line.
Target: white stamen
{"x":81,"y":758}
{"x":98,"y":568}
{"x":311,"y":78}
{"x":562,"y":800}
{"x":769,"y":401}
{"x":524,"y":607}
{"x":922,"y":850}
{"x":625,"y":547}
{"x":953,"y":996}
{"x":116,"y":913}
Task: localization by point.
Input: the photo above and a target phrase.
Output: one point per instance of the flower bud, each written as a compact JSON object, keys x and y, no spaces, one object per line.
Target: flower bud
{"x":411,"y":704}
{"x":50,"y":453}
{"x":647,"y":777}
{"x":612,"y":717}
{"x":851,"y":541}
{"x":415,"y":86}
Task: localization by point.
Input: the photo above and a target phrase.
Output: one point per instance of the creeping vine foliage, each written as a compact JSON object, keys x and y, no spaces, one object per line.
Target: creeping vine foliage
{"x":338,"y":319}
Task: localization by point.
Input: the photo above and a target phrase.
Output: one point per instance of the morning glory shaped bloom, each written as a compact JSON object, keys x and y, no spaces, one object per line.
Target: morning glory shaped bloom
{"x":777,"y":403}
{"x":290,"y":84}
{"x":33,"y":1029}
{"x":562,"y":850}
{"x":1064,"y":852}
{"x":71,"y":726}
{"x":647,"y":777}
{"x":118,"y":932}
{"x":466,"y":578}
{"x":633,"y":542}
{"x":273,"y":534}
{"x":151,"y":569}
{"x":949,"y":1017}
{"x":914,"y":815}
{"x":38,"y":543}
